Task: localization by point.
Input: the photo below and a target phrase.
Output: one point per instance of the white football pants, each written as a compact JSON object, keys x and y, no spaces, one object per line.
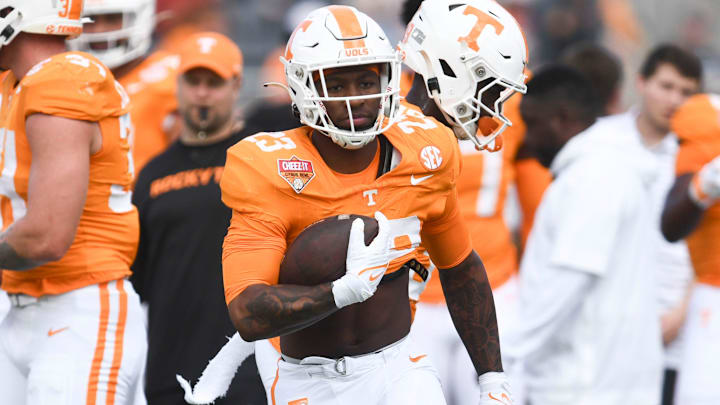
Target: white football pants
{"x":699,"y":380}
{"x":86,"y":346}
{"x":433,"y":331}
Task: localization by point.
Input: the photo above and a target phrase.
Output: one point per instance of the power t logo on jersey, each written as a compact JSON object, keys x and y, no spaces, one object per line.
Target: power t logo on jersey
{"x":296,"y":172}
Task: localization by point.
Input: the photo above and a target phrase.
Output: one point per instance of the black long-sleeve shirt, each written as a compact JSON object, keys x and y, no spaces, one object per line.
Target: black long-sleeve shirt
{"x":178,"y":271}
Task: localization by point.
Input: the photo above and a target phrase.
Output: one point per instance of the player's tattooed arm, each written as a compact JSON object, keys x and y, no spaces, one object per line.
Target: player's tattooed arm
{"x":470,"y":302}
{"x":263,"y":311}
{"x":680,"y":215}
{"x":9,"y":257}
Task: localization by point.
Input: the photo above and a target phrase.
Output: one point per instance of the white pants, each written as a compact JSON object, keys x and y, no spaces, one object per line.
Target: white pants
{"x":266,"y":358}
{"x":86,"y":346}
{"x":395,"y":375}
{"x":433,"y":330}
{"x":699,"y":381}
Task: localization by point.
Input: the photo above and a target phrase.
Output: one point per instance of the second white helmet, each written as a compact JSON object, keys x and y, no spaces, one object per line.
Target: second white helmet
{"x":125,"y":44}
{"x":465,"y":51}
{"x":335,"y":37}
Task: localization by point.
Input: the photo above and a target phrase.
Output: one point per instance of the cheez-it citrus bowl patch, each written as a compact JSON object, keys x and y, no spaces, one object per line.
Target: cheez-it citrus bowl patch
{"x":296,"y":172}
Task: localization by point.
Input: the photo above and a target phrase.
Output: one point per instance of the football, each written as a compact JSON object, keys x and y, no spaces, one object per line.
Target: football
{"x":318,"y":254}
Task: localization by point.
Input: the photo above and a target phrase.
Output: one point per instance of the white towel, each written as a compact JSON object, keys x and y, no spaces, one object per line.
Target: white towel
{"x":215,"y":379}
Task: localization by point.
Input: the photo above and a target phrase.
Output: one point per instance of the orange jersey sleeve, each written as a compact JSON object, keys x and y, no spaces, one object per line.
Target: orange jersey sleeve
{"x":697,"y":125}
{"x":77,"y":86}
{"x":252,"y":252}
{"x":257,"y":237}
{"x":447,"y":238}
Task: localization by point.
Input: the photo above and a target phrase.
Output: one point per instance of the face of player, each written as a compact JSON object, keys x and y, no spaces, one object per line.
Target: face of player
{"x":104,"y":23}
{"x":347,"y":82}
{"x":663,"y":92}
{"x":543,"y":139}
{"x":206,"y":100}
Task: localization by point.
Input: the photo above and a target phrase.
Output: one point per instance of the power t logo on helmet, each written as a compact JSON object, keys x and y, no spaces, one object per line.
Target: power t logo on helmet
{"x":472,"y":57}
{"x":336,"y":37}
{"x":50,"y":17}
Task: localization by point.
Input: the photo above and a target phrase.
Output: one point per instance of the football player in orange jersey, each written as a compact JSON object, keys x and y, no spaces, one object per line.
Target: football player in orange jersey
{"x":120,"y":35}
{"x":349,"y":158}
{"x":468,"y":60}
{"x":692,"y":210}
{"x":75,"y":331}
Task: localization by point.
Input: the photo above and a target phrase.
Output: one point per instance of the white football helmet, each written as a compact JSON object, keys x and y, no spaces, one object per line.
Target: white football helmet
{"x":456,"y":46}
{"x":50,"y":17}
{"x":334,"y":37}
{"x":125,"y":44}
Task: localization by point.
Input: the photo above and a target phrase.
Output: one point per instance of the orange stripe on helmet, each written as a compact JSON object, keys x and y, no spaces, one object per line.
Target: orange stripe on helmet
{"x":349,"y":25}
{"x":76,"y":8}
{"x":303,"y":26}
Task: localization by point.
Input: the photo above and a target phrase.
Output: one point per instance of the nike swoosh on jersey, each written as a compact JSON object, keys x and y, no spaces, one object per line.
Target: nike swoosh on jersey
{"x":56,"y":331}
{"x":417,"y":180}
{"x":418,"y":358}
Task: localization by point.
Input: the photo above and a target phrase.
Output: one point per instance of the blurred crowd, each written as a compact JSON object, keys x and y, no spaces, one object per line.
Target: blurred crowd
{"x":628,"y":27}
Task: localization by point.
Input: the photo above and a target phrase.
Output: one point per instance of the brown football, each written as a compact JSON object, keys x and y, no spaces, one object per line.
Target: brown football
{"x":318,"y":254}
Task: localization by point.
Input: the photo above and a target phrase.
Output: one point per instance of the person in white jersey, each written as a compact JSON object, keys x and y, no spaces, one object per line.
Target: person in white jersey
{"x":588,"y":330}
{"x":668,"y":77}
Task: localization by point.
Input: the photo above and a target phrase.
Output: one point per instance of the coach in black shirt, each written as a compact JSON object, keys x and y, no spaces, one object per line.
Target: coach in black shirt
{"x":178,"y":270}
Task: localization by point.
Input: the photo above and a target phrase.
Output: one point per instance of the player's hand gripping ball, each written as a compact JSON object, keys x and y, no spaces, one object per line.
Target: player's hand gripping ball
{"x":319,"y":253}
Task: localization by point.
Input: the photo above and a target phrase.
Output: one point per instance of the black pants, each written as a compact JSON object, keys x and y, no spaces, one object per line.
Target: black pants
{"x":246,"y":389}
{"x":668,"y":389}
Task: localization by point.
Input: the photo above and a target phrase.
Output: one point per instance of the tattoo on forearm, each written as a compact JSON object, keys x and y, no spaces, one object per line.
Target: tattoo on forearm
{"x":470,"y":302}
{"x":10,"y":259}
{"x":283,"y":309}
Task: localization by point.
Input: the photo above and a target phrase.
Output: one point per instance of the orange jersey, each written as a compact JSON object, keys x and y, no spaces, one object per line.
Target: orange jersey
{"x":277,"y":184}
{"x":697,"y":124}
{"x":482,"y":188}
{"x":531,"y":180}
{"x":152,"y":88}
{"x":73,"y":85}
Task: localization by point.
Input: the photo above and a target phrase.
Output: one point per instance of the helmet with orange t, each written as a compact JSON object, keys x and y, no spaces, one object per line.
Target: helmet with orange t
{"x":121,"y":30}
{"x":472,"y":56}
{"x":329,"y":40}
{"x":50,"y":17}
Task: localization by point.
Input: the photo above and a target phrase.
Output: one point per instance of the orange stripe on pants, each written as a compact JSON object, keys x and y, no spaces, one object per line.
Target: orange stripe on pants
{"x":99,"y":346}
{"x":277,"y":377}
{"x":118,"y":350}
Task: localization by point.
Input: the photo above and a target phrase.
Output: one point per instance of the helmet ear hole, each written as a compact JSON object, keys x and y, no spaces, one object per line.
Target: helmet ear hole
{"x":295,"y":111}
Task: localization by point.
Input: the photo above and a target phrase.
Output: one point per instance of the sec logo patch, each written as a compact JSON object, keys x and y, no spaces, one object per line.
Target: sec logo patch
{"x":431,"y":158}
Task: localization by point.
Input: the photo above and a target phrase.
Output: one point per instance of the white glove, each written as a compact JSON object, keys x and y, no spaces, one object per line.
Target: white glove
{"x":494,"y":389}
{"x":705,"y":185}
{"x":365,"y":265}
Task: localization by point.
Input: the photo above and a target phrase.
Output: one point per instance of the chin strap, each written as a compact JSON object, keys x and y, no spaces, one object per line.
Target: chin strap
{"x":277,"y":84}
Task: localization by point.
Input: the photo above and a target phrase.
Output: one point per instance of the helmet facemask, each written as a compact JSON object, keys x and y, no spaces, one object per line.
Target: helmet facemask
{"x":354,"y":138}
{"x":480,"y":118}
{"x":131,"y":41}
